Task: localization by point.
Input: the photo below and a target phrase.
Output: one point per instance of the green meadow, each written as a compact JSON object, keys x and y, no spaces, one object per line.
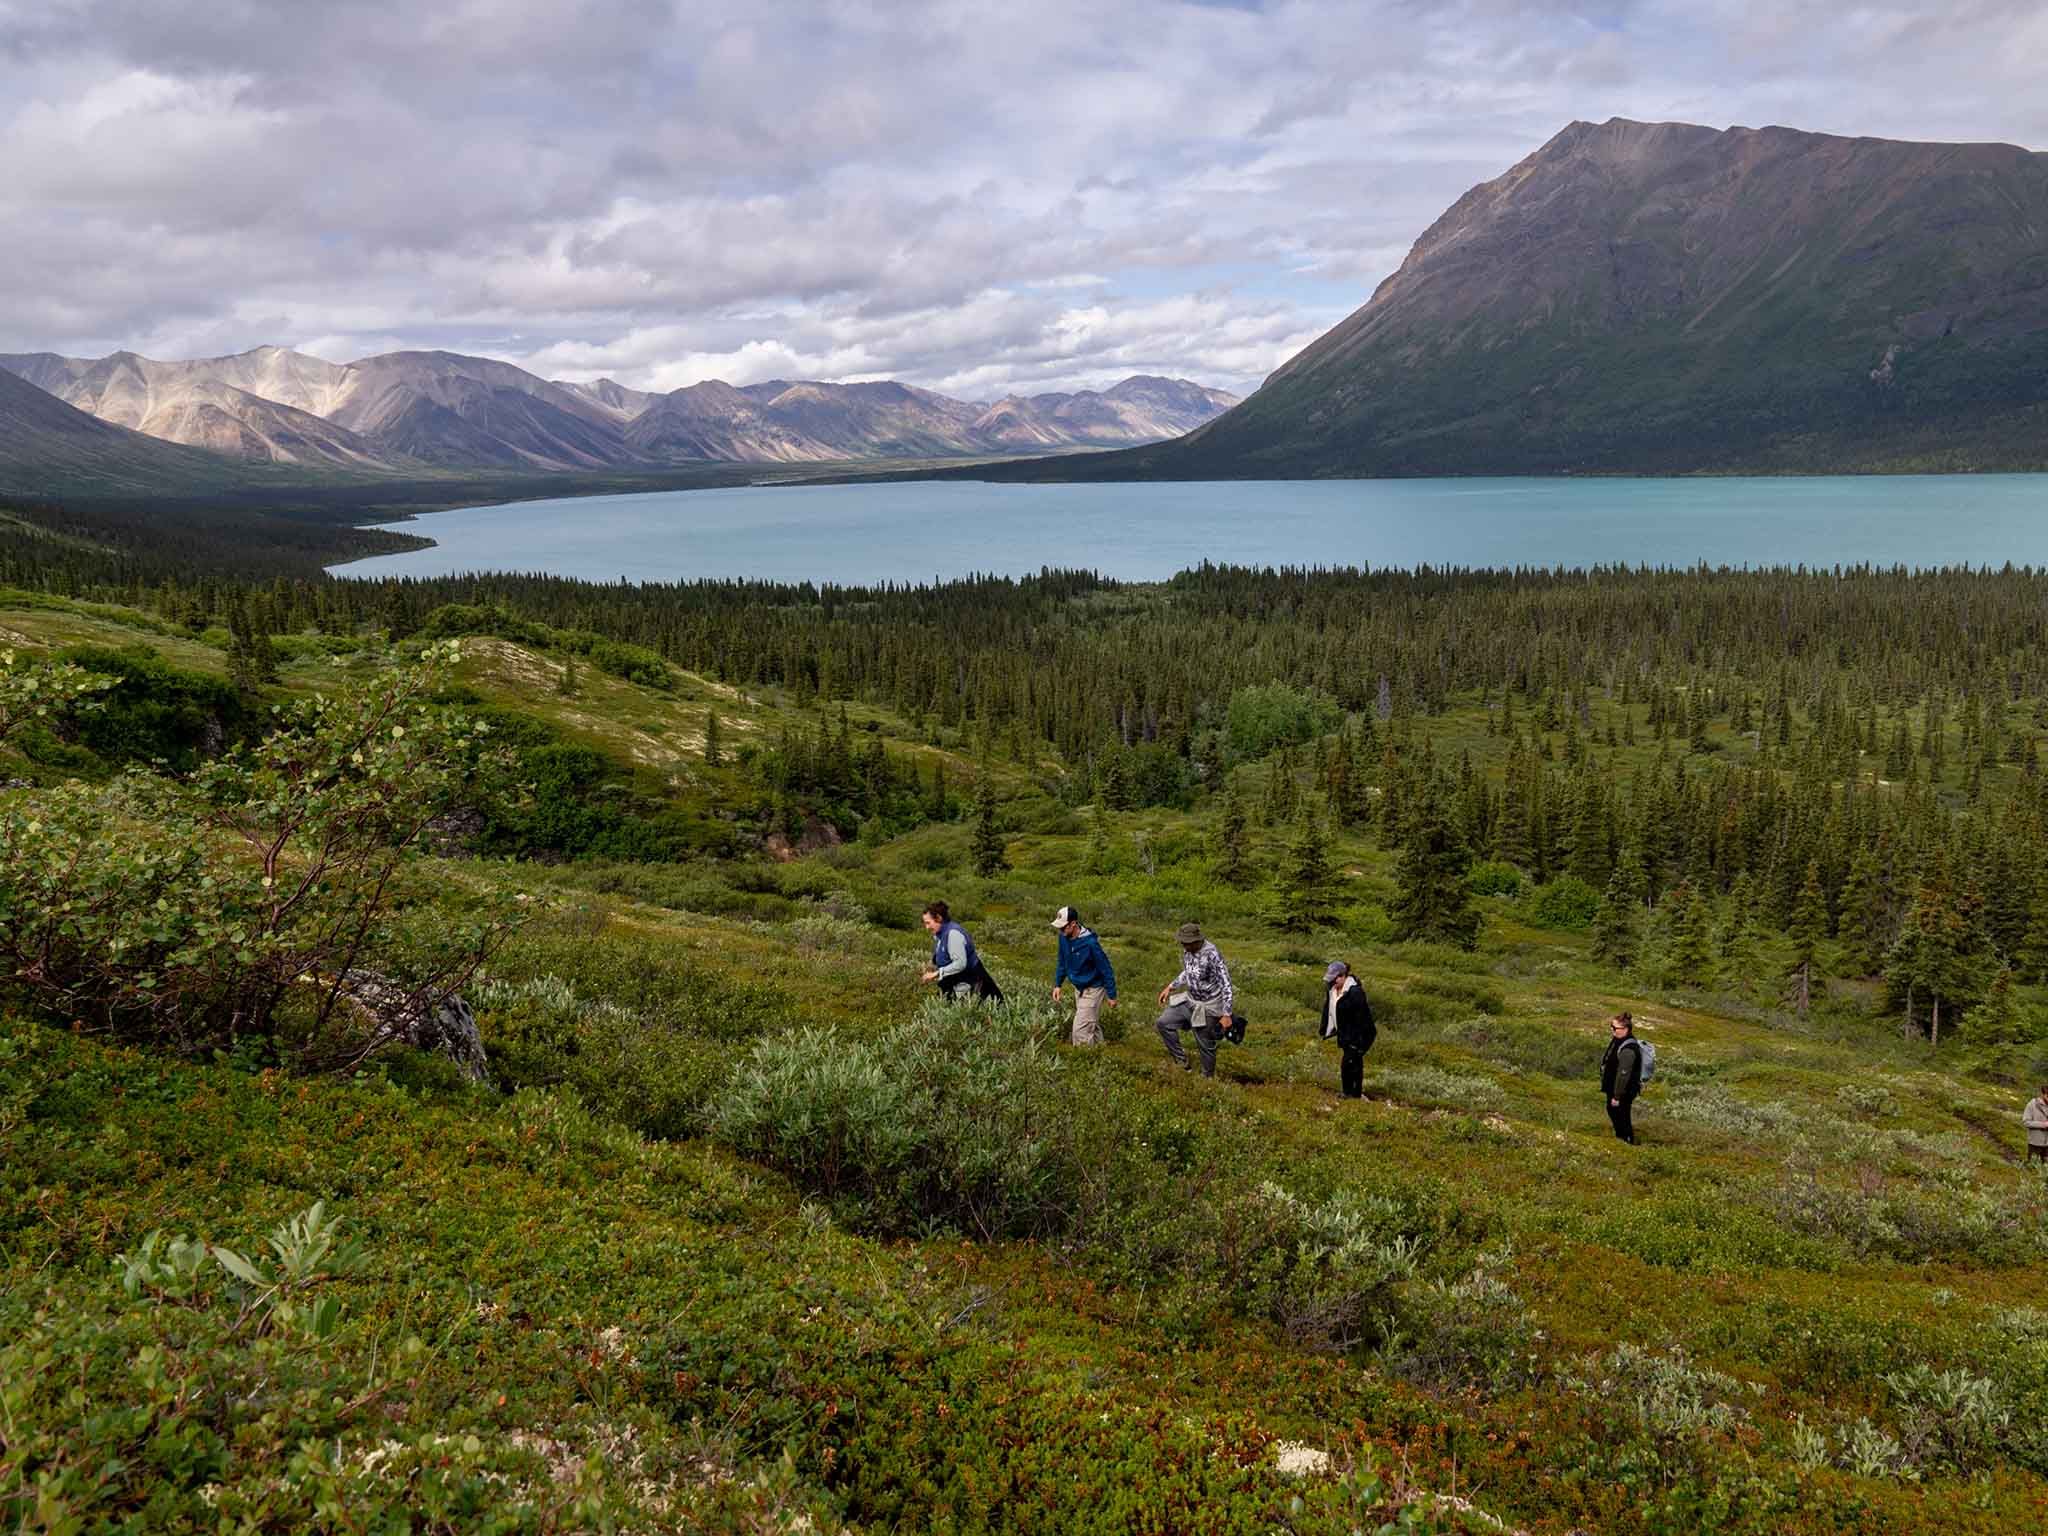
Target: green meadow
{"x":745,"y":1232}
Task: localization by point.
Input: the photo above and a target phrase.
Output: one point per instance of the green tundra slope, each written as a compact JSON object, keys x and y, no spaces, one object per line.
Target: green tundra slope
{"x":1022,"y":1289}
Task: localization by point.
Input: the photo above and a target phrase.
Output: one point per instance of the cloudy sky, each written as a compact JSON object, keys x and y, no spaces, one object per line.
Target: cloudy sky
{"x":977,"y":197}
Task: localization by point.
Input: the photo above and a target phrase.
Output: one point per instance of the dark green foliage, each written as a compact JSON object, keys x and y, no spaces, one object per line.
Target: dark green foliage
{"x":1268,"y":715}
{"x":987,"y":848}
{"x":1493,"y":877}
{"x":1433,"y":900}
{"x":1566,"y":903}
{"x":1618,"y":921}
{"x":1688,"y":918}
{"x":1307,"y":886}
{"x":157,"y":713}
{"x":1233,"y":856}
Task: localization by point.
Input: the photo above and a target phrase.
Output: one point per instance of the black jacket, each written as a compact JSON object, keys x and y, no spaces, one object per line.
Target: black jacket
{"x":1355,"y":1028}
{"x":1621,"y":1070}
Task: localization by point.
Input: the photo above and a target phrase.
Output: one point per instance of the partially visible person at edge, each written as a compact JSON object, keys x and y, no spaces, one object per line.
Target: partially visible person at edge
{"x":1082,"y":961}
{"x":1206,"y":1006}
{"x":956,"y":964}
{"x":1621,"y":1076}
{"x":1347,"y":1019}
{"x":2035,"y":1118}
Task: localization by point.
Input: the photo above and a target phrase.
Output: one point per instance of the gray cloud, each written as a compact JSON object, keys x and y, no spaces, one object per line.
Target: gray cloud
{"x":969,"y":195}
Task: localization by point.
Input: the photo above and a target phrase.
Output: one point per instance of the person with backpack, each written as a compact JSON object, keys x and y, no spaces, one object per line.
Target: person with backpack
{"x":1202,"y":1000}
{"x":2035,"y":1118}
{"x":1082,"y":961}
{"x":956,"y":965}
{"x":1347,"y":1019}
{"x":1623,"y":1071}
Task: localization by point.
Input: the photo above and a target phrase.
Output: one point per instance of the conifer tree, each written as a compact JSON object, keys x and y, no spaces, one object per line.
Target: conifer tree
{"x":986,"y":846}
{"x":1807,"y":926}
{"x":1998,"y":1019}
{"x":1618,"y":923}
{"x":1864,"y":911}
{"x":1233,"y":855}
{"x":935,"y":807}
{"x":1738,"y":937}
{"x":1691,"y":956}
{"x":1306,"y":897}
{"x":712,"y":740}
{"x":1117,"y":793}
{"x":1589,"y":857}
{"x":1433,"y":901}
{"x":1281,"y":800}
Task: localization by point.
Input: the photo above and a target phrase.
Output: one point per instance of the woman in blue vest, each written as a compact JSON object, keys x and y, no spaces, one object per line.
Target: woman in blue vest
{"x":956,"y":965}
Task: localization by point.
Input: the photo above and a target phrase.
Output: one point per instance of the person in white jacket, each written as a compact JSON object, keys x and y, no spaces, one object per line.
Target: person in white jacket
{"x":2035,"y":1118}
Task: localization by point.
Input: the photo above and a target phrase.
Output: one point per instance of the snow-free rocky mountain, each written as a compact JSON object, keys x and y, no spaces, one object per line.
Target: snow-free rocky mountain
{"x":413,"y":411}
{"x":46,"y":445}
{"x":1660,"y":297}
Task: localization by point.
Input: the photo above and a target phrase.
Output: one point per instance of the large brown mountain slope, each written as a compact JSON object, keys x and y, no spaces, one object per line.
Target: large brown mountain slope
{"x":1665,"y":297}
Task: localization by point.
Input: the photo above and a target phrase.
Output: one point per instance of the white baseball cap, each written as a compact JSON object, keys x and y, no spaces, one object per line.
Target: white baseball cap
{"x":1064,"y":916}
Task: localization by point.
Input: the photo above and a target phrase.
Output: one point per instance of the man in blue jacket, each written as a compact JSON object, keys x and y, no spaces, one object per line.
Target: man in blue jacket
{"x":1082,"y":962}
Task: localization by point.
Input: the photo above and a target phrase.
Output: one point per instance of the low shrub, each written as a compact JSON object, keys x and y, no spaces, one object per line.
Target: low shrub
{"x":1566,"y":903}
{"x":1492,"y":877}
{"x":244,"y":901}
{"x":1472,"y":1332}
{"x":1668,"y":1395}
{"x":956,"y":1119}
{"x":1425,"y":1084}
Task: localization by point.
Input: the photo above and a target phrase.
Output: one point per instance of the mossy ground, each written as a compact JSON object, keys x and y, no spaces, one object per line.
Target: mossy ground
{"x":1816,"y":1204}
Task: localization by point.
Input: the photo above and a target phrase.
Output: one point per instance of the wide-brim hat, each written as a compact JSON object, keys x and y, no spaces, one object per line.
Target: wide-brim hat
{"x":1189,"y":933}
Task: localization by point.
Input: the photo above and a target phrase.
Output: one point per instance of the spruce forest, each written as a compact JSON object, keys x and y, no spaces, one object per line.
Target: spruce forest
{"x":463,"y":1064}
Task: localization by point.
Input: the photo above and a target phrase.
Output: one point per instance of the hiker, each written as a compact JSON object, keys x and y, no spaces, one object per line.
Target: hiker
{"x":1621,"y":1075}
{"x":1347,"y":1019}
{"x":1082,"y":961}
{"x":956,"y":966}
{"x":1202,"y":1000}
{"x":2035,"y":1118}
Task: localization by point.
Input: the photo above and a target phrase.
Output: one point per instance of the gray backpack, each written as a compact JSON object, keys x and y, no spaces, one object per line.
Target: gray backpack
{"x":1649,"y":1055}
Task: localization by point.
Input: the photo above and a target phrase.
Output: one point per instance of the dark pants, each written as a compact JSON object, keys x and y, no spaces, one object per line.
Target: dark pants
{"x":971,"y":983}
{"x":1179,"y":1017}
{"x":1352,"y":1073}
{"x":2034,"y":1153}
{"x":1619,"y":1114}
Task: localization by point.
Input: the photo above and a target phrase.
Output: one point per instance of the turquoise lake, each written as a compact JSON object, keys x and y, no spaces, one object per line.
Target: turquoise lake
{"x":920,"y":531}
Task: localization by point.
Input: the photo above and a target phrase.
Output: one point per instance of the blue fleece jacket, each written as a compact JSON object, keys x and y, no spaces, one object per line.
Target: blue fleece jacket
{"x":1083,"y":963}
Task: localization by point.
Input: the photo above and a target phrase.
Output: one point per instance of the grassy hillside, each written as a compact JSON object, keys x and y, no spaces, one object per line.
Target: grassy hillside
{"x":1072,"y":1292}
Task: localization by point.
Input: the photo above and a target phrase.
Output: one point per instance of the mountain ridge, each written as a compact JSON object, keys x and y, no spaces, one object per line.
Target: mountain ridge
{"x":1671,"y":298}
{"x":439,"y":412}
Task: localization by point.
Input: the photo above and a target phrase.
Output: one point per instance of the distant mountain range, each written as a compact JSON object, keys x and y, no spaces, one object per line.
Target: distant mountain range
{"x":414,"y":412}
{"x":46,"y":446}
{"x":1659,"y":297}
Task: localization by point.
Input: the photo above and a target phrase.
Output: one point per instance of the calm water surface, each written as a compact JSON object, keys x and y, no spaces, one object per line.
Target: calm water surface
{"x":861,"y":534}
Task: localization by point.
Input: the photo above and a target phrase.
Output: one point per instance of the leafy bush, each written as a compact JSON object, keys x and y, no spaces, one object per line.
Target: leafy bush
{"x":1566,"y":903}
{"x":958,"y":1118}
{"x":1668,"y":1395}
{"x":43,"y":693}
{"x":194,"y":913}
{"x":1326,"y":1269}
{"x":1492,"y":877}
{"x":1471,"y":1332}
{"x":155,"y":712}
{"x":1269,"y":715}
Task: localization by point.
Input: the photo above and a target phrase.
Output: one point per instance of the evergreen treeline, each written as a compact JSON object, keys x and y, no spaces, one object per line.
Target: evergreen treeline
{"x":1687,"y":759}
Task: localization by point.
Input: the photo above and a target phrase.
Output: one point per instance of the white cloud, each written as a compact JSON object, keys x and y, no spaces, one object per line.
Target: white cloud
{"x":968,"y":195}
